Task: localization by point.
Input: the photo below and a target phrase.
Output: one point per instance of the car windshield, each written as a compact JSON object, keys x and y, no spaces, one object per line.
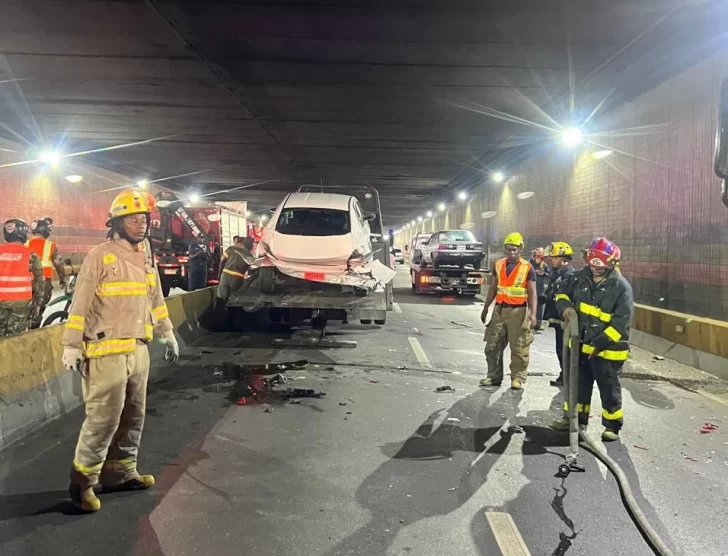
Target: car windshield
{"x":455,"y":235}
{"x":313,"y":222}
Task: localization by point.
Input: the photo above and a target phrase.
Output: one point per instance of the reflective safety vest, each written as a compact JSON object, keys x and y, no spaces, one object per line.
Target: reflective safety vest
{"x":512,"y":288}
{"x":16,"y":281}
{"x":43,"y":248}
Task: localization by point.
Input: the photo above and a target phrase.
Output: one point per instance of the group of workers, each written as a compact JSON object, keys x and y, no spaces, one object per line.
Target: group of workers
{"x":26,"y":274}
{"x":597,"y":296}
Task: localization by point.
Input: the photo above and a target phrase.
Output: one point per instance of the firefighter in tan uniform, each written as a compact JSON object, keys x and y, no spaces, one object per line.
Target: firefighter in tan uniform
{"x":117,"y":306}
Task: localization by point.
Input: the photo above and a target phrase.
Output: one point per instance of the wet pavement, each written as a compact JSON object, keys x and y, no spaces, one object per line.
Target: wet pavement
{"x":383,"y":464}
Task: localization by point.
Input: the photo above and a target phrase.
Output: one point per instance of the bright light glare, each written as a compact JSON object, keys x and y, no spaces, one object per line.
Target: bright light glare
{"x":429,"y":214}
{"x":441,"y":207}
{"x":142,"y":184}
{"x":50,"y":157}
{"x":195,"y":198}
{"x":462,"y":195}
{"x":602,"y":154}
{"x":498,"y":177}
{"x":419,"y":219}
{"x":413,"y":222}
{"x":247,"y":213}
{"x":263,"y":217}
{"x":74,"y":178}
{"x":572,"y":137}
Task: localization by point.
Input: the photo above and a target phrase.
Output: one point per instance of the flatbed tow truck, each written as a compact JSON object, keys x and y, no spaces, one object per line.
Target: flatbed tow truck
{"x":295,"y":300}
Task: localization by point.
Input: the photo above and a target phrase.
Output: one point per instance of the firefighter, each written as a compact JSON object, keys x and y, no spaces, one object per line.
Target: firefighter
{"x":21,"y":280}
{"x":199,"y":265}
{"x":514,"y":290}
{"x":50,"y":258}
{"x":560,"y":255}
{"x":238,"y":261}
{"x":116,"y":308}
{"x":543,"y":272}
{"x":601,"y":299}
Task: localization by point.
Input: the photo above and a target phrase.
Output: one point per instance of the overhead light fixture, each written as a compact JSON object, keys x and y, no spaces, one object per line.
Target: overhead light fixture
{"x":525,"y":195}
{"x":74,"y":178}
{"x":419,"y":219}
{"x":602,"y":154}
{"x":441,"y":207}
{"x":462,"y":195}
{"x":413,"y":222}
{"x":488,"y":214}
{"x":572,"y":137}
{"x":263,"y":217}
{"x":429,"y":214}
{"x":498,"y":177}
{"x":195,"y":198}
{"x":50,"y":157}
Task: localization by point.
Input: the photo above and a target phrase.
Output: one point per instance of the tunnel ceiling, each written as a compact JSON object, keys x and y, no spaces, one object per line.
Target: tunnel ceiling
{"x":374,"y":92}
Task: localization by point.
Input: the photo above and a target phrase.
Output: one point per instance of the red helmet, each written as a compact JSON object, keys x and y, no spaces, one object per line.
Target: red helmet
{"x":602,"y":253}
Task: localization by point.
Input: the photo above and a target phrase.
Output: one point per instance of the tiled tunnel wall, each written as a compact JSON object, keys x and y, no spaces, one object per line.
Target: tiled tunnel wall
{"x":79,"y":211}
{"x":656,"y":196}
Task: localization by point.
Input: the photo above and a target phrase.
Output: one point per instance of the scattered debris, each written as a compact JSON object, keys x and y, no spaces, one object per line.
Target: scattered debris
{"x":348,"y":412}
{"x":708,"y":428}
{"x":342,"y":403}
{"x":206,"y":352}
{"x":242,"y":401}
{"x":516,"y":429}
{"x":301,"y":393}
{"x":217,"y":371}
{"x":293,"y":401}
{"x":275,"y":379}
{"x":641,"y":448}
{"x":268,"y":408}
{"x":658,"y":358}
{"x":401,"y":520}
{"x":401,"y":367}
{"x":374,"y":381}
{"x":691,"y":459}
{"x":452,"y":489}
{"x":453,"y":420}
{"x":460,"y":324}
{"x":445,"y":388}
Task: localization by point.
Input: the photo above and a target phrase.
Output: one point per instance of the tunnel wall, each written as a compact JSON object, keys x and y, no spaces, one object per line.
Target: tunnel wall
{"x":34,"y":386}
{"x":656,"y":196}
{"x":79,"y":211}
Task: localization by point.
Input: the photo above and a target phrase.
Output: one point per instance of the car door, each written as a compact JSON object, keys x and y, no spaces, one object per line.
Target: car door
{"x":428,"y":247}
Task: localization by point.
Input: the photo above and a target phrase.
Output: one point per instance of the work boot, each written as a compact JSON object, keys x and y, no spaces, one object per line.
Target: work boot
{"x":609,"y":435}
{"x":516,"y":384}
{"x":142,"y":482}
{"x":561,"y":425}
{"x":85,"y":500}
{"x":489,"y":382}
{"x":558,"y":382}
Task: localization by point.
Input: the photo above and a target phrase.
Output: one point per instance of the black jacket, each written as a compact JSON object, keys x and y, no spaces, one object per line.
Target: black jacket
{"x":605,"y":311}
{"x":551,"y":312}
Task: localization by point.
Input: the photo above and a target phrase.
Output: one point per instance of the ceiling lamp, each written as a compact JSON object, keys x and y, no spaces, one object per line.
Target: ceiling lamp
{"x":525,"y":195}
{"x":74,"y":178}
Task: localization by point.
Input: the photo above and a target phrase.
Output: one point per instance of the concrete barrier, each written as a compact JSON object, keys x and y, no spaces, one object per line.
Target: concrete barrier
{"x":34,"y":386}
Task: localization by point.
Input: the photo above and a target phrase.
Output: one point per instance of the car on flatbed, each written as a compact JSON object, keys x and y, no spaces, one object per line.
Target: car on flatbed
{"x":452,"y":248}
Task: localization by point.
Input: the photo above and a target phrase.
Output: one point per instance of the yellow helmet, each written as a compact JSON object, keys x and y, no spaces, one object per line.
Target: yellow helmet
{"x":559,"y":249}
{"x":514,"y":238}
{"x":128,"y":202}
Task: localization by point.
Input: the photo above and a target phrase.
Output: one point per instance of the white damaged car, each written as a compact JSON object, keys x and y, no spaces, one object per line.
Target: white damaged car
{"x":320,"y":237}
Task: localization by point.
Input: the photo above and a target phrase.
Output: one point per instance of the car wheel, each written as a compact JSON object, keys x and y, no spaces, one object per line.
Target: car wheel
{"x":365,"y":321}
{"x":380,"y":321}
{"x":266,"y":279}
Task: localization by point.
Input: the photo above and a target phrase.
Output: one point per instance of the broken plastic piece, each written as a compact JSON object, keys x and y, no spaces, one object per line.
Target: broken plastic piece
{"x":242,"y":401}
{"x":446,"y":388}
{"x":708,"y":428}
{"x":453,"y":419}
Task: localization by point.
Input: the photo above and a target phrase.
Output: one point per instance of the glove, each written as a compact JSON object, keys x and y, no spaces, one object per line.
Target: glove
{"x":73,"y":360}
{"x":172,"y":353}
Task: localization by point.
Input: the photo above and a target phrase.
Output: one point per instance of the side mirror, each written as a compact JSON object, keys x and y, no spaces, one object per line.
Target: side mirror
{"x":721,"y":141}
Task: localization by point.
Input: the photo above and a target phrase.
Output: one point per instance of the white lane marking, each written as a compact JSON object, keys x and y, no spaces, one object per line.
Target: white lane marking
{"x":506,"y":534}
{"x":712,"y":397}
{"x":397,"y":308}
{"x":419,"y":352}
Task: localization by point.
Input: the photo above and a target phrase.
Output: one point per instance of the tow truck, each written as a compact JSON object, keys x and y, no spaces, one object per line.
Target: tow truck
{"x":298,"y":300}
{"x":444,"y":279}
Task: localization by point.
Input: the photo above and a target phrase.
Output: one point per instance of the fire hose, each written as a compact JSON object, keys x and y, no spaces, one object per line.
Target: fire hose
{"x":571,"y":384}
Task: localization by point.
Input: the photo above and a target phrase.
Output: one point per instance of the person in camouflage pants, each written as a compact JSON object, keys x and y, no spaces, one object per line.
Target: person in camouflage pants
{"x":15,"y":307}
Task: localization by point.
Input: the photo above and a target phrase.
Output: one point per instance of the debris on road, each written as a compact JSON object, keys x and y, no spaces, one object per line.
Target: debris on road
{"x":342,"y":403}
{"x":374,"y":381}
{"x":641,"y":448}
{"x":453,"y":419}
{"x":658,"y":358}
{"x":268,"y":408}
{"x":516,"y":429}
{"x":301,"y":393}
{"x":445,"y":388}
{"x":452,"y":489}
{"x":708,"y":428}
{"x":691,"y":459}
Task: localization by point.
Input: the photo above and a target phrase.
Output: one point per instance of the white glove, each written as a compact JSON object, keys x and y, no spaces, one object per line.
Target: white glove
{"x":172,"y":353}
{"x":73,"y":360}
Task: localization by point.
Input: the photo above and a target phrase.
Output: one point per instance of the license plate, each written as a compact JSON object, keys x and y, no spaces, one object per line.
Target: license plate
{"x":461,"y":248}
{"x":170,"y":271}
{"x":314,"y":276}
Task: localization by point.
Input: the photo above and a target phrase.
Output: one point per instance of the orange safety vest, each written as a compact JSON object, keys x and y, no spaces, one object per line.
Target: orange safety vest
{"x":43,"y":248}
{"x":16,"y":282}
{"x":512,"y":288}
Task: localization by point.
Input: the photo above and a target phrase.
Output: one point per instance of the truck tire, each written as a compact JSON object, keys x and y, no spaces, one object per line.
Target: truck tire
{"x":365,"y":321}
{"x":380,"y":321}
{"x":266,"y":276}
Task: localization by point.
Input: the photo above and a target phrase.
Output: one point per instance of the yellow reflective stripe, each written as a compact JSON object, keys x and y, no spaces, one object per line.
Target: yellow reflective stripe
{"x":512,"y":291}
{"x":87,"y":469}
{"x":74,"y":326}
{"x":47,"y":250}
{"x":149,"y":332}
{"x":160,"y":312}
{"x":560,"y":296}
{"x":580,"y":407}
{"x":109,"y":347}
{"x":612,"y":333}
{"x":233,"y":273}
{"x":612,"y":355}
{"x":152,"y":279}
{"x":612,"y":416}
{"x":121,"y":288}
{"x":593,"y":311}
{"x":76,"y":322}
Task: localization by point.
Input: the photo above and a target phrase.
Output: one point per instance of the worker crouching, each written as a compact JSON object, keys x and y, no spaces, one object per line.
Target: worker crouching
{"x":513,"y":288}
{"x":117,"y":306}
{"x":602,"y":301}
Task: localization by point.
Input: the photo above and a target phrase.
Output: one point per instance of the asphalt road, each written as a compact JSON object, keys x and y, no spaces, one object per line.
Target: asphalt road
{"x":382,"y":464}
